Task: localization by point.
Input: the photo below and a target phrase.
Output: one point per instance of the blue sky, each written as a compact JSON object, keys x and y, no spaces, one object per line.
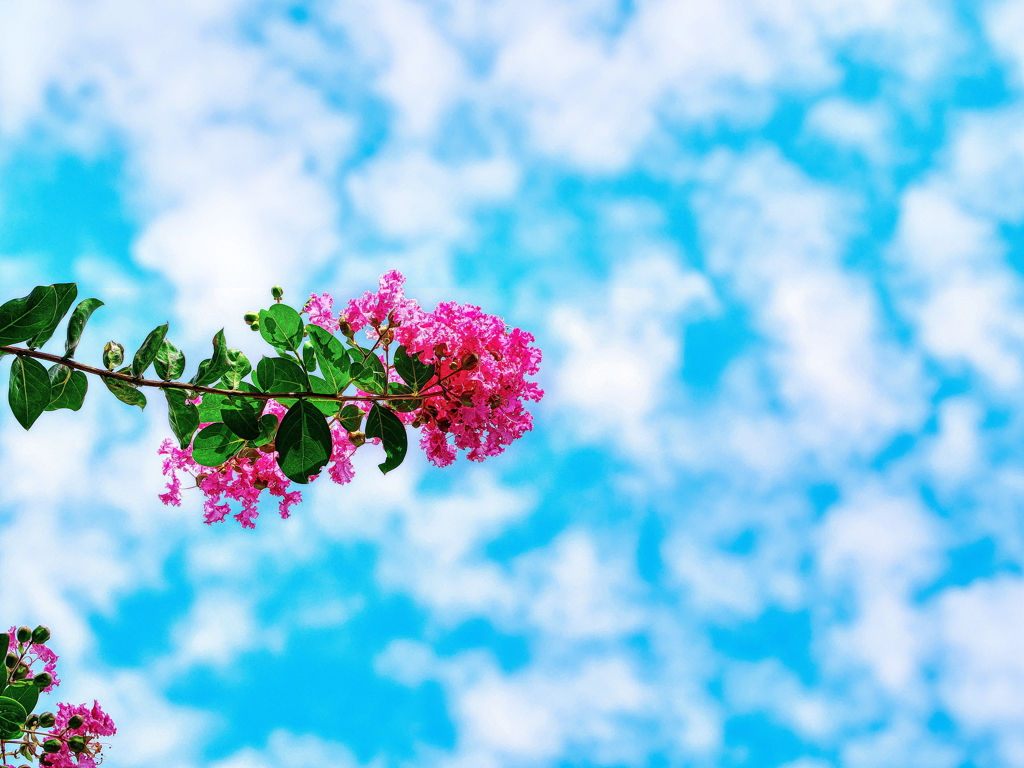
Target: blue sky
{"x":774,"y":255}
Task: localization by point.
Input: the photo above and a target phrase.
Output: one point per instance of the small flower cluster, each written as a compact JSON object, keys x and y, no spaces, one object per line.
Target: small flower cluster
{"x":473,"y":398}
{"x":67,"y":739}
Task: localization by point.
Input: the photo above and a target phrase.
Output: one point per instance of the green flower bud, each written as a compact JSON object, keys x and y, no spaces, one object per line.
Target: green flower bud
{"x":11,"y":661}
{"x":42,"y":680}
{"x":51,"y":745}
{"x":251,"y":317}
{"x":24,"y":634}
{"x":113,"y":355}
{"x":77,"y":744}
{"x":33,"y":722}
{"x":20,"y":672}
{"x":75,"y":722}
{"x":277,"y":292}
{"x":357,"y":438}
{"x":255,"y":325}
{"x":40,"y":634}
{"x":47,"y":719}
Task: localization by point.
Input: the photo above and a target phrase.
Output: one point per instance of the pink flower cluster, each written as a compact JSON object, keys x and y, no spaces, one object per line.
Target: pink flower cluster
{"x":36,"y":652}
{"x":482,"y":366}
{"x":245,"y":477}
{"x":95,"y":722}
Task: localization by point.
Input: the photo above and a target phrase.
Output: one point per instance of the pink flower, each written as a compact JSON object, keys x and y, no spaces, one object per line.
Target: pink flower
{"x":95,"y":722}
{"x":319,"y":310}
{"x":388,"y":301}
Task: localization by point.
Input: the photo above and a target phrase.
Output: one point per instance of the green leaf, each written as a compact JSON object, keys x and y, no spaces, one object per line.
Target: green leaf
{"x":268,"y":428}
{"x":335,"y":363}
{"x":239,"y":368}
{"x":303,"y":442}
{"x":381,"y":422}
{"x":414,"y":373}
{"x":211,"y":370}
{"x":368,"y":371}
{"x":124,"y":391}
{"x":66,"y":294}
{"x":215,"y":444}
{"x":182,"y":415}
{"x":5,"y":643}
{"x":169,"y":361}
{"x":12,"y":717}
{"x":67,"y":388}
{"x":405,"y":406}
{"x":309,"y":357}
{"x":351,"y":418}
{"x":25,"y":693}
{"x":76,"y":324}
{"x":242,"y":417}
{"x":281,"y":327}
{"x":29,"y":391}
{"x":209,"y":407}
{"x":21,"y":319}
{"x":279,"y":374}
{"x":149,"y":350}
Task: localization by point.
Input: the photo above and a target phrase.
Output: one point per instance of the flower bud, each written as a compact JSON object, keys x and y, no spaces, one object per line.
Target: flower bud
{"x":20,"y":672}
{"x":440,"y":350}
{"x":40,"y":634}
{"x":47,"y":720}
{"x":268,"y":447}
{"x":75,"y":722}
{"x":469,"y":361}
{"x":51,"y":745}
{"x":346,"y":328}
{"x":24,"y":634}
{"x":32,"y":723}
{"x":255,"y":325}
{"x":259,"y":485}
{"x":113,"y":355}
{"x":357,"y":438}
{"x":251,"y":317}
{"x":466,"y":399}
{"x":277,"y":292}
{"x":77,"y":744}
{"x":11,"y":661}
{"x":375,"y":322}
{"x":42,"y":680}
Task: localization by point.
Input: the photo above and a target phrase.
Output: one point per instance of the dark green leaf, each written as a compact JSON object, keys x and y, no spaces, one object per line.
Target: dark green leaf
{"x":239,"y":368}
{"x":215,"y":444}
{"x":268,"y":428}
{"x":183,"y":416}
{"x":29,"y":391}
{"x":279,"y":374}
{"x":67,"y":388}
{"x":76,"y":324}
{"x":281,"y":327}
{"x":124,"y":391}
{"x":303,"y":442}
{"x":242,"y":417}
{"x":368,"y":371}
{"x":21,"y":319}
{"x":66,"y":294}
{"x":309,"y":357}
{"x":351,"y":418}
{"x":405,"y":406}
{"x":12,"y":717}
{"x":335,"y":363}
{"x":169,"y":361}
{"x":25,"y":693}
{"x":149,"y":350}
{"x":381,"y":422}
{"x":211,"y":370}
{"x":414,"y":373}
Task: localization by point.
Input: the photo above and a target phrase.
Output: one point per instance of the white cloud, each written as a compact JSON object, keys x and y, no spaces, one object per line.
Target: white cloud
{"x":284,"y":747}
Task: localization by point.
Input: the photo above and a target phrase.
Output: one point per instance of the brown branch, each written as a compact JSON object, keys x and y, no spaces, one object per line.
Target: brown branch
{"x":160,"y":384}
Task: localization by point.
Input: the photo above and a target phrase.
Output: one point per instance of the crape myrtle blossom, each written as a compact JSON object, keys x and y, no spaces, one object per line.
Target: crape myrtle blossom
{"x":95,"y":723}
{"x":35,"y":652}
{"x":470,"y":398}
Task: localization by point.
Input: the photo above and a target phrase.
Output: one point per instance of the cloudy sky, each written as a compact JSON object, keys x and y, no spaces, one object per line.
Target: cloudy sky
{"x":770,"y":514}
